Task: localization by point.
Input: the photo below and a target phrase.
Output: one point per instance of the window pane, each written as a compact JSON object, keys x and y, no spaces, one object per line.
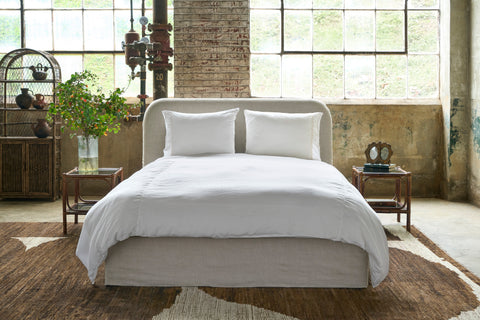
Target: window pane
{"x":137,"y":4}
{"x":98,"y":30}
{"x":265,"y":4}
{"x":423,"y":76}
{"x":10,"y":4}
{"x":298,"y":30}
{"x":9,"y":30}
{"x":265,"y":31}
{"x":423,"y":31}
{"x":37,"y":4}
{"x":328,"y":4}
{"x":67,"y":30}
{"x":265,"y":76}
{"x":38,"y":34}
{"x":122,"y":77}
{"x":390,"y":4}
{"x":328,"y":30}
{"x":67,"y":4}
{"x":423,"y":4}
{"x":328,"y":76}
{"x":359,"y":76}
{"x":297,"y":76}
{"x":98,"y":4}
{"x":391,"y":76}
{"x":122,"y":25}
{"x":298,"y":4}
{"x":69,"y":64}
{"x":359,"y":4}
{"x":359,"y":30}
{"x":102,"y":66}
{"x":390,"y":31}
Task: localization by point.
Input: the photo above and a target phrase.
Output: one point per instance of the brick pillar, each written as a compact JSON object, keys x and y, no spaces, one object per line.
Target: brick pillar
{"x":211,"y":49}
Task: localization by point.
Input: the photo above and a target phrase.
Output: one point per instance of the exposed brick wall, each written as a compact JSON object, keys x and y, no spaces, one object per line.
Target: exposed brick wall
{"x":211,"y":47}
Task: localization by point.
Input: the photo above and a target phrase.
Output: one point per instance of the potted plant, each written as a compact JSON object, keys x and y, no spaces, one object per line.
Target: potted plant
{"x":90,"y":113}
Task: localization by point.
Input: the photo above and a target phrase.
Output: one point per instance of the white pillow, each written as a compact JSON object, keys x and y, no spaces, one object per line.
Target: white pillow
{"x":283,"y":134}
{"x":197,"y":133}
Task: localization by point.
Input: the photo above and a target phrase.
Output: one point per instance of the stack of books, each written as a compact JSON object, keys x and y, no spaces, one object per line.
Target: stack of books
{"x":378,"y":167}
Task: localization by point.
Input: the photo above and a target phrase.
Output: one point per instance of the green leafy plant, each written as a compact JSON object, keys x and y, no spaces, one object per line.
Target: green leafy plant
{"x":85,"y":108}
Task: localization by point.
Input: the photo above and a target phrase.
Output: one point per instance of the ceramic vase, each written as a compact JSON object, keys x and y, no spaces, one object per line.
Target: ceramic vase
{"x":25,"y":99}
{"x":39,"y":102}
{"x":41,"y":129}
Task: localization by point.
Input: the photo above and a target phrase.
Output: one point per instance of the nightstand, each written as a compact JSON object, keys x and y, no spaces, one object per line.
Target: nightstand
{"x":80,"y":206}
{"x":400,"y":204}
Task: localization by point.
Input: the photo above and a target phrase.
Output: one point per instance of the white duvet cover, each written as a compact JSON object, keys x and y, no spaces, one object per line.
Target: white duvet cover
{"x":234,"y":196}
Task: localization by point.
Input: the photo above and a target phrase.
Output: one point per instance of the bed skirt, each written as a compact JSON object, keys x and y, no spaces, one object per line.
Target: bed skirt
{"x":257,"y":262}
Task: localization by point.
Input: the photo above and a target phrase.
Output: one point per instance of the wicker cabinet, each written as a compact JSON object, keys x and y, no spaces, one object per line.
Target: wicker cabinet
{"x":29,"y":166}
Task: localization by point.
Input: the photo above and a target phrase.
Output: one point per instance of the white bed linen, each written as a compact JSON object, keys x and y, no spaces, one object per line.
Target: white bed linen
{"x":234,"y":196}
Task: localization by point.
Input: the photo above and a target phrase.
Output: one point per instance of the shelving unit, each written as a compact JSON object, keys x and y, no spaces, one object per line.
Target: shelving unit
{"x":29,"y":166}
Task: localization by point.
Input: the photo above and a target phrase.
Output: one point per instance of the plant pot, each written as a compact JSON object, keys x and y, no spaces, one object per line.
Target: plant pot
{"x":87,"y":155}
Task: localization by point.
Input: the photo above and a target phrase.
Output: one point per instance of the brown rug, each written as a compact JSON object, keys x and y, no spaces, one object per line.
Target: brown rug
{"x":41,"y":278}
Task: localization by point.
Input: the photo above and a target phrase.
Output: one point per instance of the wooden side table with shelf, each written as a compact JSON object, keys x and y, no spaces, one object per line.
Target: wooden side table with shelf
{"x":80,"y":206}
{"x":401,"y":201}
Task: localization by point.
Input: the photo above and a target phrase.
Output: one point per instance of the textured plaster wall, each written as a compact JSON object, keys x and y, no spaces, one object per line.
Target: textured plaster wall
{"x":474,"y":145}
{"x":415,"y":133}
{"x":123,"y":149}
{"x":456,"y":98}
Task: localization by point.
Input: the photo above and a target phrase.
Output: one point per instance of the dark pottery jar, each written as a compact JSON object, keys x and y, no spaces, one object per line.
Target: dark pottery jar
{"x":25,"y":99}
{"x":39,"y":102}
{"x":41,"y":129}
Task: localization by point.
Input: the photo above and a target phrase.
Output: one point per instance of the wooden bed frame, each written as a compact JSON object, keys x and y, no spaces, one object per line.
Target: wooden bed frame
{"x":254,"y":262}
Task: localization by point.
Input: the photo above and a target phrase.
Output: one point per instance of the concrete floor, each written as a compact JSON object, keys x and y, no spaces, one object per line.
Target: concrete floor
{"x":453,"y":226}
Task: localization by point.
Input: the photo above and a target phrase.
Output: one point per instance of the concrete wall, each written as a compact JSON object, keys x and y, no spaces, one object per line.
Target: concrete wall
{"x":415,"y":133}
{"x":474,"y":125}
{"x":123,"y":149}
{"x":455,"y":94}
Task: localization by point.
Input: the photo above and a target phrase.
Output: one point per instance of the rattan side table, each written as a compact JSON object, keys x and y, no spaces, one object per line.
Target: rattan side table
{"x":80,"y":206}
{"x":401,"y":202}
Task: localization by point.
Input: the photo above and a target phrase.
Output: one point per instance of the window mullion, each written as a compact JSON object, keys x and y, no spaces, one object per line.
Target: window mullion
{"x":282,"y":29}
{"x":22,"y":25}
{"x":405,"y":36}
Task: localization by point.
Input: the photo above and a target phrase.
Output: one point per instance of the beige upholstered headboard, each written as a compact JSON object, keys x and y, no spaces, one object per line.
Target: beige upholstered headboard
{"x":154,"y":125}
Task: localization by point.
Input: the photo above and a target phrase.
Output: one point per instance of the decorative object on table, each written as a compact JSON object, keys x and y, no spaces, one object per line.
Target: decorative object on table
{"x":24,"y":100}
{"x":39,"y":102}
{"x":39,"y":72}
{"x":86,"y":109}
{"x":41,"y":129}
{"x":378,"y":156}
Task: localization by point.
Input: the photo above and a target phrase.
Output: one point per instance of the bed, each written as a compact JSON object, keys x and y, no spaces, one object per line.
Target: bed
{"x":152,"y":230}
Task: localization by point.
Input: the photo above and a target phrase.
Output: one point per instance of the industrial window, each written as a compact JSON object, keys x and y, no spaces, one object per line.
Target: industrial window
{"x":81,"y":34}
{"x":365,"y":49}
